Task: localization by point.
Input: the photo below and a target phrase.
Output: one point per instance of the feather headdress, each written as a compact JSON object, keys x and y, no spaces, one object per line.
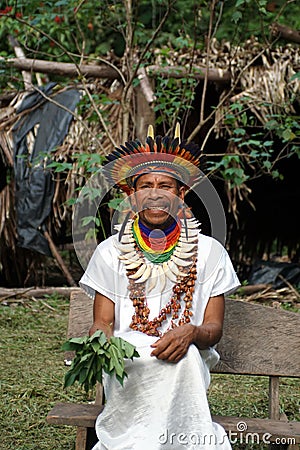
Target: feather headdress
{"x":179,"y":159}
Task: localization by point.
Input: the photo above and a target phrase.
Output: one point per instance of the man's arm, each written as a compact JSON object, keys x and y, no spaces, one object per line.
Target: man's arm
{"x":174,"y":344}
{"x":104,"y":315}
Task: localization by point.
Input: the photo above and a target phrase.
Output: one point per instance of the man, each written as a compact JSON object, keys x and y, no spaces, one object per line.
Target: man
{"x":160,"y":285}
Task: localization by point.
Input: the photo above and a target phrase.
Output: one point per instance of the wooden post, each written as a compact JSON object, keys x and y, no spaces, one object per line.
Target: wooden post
{"x":81,"y":438}
{"x":274,"y":398}
{"x":59,"y":259}
{"x":274,"y":407}
{"x":145,"y":115}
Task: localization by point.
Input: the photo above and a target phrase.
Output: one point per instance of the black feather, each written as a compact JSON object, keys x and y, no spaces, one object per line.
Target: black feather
{"x":150,"y":142}
{"x":124,"y":225}
{"x":158,"y":143}
{"x":185,"y":223}
{"x":166,"y":142}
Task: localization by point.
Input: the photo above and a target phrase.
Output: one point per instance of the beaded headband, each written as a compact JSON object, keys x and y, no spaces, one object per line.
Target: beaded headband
{"x":161,"y":154}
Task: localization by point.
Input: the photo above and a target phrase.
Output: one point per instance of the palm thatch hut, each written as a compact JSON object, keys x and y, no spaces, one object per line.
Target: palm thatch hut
{"x":236,"y":92}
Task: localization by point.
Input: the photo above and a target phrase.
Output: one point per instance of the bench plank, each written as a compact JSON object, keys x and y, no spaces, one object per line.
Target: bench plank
{"x":76,"y":414}
{"x":259,"y":340}
{"x":85,"y":415}
{"x":80,"y":315}
{"x":275,"y":428}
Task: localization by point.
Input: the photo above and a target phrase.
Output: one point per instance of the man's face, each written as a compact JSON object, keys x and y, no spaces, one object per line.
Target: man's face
{"x":157,"y":199}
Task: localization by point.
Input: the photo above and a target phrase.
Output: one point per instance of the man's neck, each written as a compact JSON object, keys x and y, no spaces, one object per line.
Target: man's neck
{"x":164,"y":226}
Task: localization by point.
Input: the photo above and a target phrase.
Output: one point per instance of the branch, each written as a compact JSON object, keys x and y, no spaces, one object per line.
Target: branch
{"x":145,"y":85}
{"x":198,"y":73}
{"x":20,"y":54}
{"x":110,"y":72}
{"x":203,"y":97}
{"x":146,"y":48}
{"x":58,"y":68}
{"x":285,"y":32}
{"x":128,"y":89}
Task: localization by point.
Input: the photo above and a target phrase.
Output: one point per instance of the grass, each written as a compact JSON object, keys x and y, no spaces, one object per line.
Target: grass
{"x":32,"y":372}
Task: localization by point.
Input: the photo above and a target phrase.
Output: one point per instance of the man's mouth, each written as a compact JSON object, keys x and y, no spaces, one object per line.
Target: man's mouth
{"x":164,"y":208}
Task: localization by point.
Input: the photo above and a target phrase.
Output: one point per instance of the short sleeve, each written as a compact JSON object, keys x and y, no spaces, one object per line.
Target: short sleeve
{"x":226,"y":280}
{"x":100,"y":274}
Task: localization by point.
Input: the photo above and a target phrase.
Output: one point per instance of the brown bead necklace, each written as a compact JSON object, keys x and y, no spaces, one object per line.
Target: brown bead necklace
{"x":185,"y":284}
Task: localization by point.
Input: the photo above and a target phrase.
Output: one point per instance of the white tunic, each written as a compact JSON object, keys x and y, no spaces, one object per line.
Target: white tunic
{"x":162,"y":405}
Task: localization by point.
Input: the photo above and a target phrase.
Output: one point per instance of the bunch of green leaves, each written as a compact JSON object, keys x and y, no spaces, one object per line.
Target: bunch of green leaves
{"x":96,"y":354}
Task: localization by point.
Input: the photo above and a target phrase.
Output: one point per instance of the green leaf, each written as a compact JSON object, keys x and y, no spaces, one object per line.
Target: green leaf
{"x":74,"y":344}
{"x":115,"y":203}
{"x":100,"y":336}
{"x":70,"y":379}
{"x":267,"y":164}
{"x":129,"y":349}
{"x":288,"y":135}
{"x":61,"y":167}
{"x":254,"y":142}
{"x":240,"y":131}
{"x":271,"y":124}
{"x":236,"y":16}
{"x":78,"y":340}
{"x":89,"y":219}
{"x":83,"y":375}
{"x":296,"y":76}
{"x":268,"y":143}
{"x":95,"y":346}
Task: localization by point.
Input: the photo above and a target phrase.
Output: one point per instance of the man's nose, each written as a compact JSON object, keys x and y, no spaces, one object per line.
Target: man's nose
{"x":154,"y":193}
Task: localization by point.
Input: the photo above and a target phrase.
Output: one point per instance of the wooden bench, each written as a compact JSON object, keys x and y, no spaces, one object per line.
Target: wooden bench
{"x":257,"y":340}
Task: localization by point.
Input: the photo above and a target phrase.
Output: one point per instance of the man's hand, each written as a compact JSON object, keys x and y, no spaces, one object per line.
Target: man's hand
{"x":174,"y":344}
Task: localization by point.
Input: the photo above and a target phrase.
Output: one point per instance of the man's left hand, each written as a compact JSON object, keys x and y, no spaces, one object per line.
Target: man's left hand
{"x":173,"y":345}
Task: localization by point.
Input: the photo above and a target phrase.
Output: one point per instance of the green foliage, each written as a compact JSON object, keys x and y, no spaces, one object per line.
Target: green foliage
{"x":173,"y":98}
{"x":96,"y":354}
{"x":72,"y":31}
{"x":242,"y":19}
{"x":253,"y":143}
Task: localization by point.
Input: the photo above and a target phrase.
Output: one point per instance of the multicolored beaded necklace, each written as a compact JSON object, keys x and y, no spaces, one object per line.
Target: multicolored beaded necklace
{"x":156,"y":245}
{"x":149,"y":246}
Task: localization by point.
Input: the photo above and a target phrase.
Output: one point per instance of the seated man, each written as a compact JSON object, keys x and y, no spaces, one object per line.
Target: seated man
{"x":160,"y":284}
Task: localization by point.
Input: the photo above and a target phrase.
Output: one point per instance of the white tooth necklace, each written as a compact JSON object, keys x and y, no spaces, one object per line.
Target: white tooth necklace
{"x":180,"y":269}
{"x":157,"y":273}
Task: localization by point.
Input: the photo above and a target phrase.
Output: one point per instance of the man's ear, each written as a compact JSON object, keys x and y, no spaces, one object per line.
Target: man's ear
{"x":132,"y":199}
{"x":182,"y":191}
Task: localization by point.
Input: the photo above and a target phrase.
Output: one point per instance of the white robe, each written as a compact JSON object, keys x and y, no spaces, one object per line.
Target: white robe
{"x":162,"y":405}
